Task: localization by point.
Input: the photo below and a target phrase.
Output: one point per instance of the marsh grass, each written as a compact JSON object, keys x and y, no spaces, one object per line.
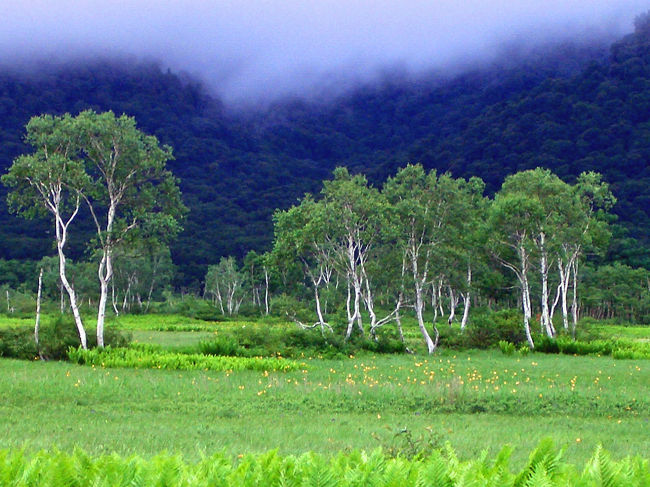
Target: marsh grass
{"x":474,"y":400}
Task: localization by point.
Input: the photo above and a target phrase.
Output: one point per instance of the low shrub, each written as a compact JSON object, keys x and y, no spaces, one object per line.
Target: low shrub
{"x":506,"y":347}
{"x":631,"y":354}
{"x":55,"y":338}
{"x":148,"y":357}
{"x":546,"y":344}
{"x":619,"y":349}
{"x":486,"y":330}
{"x":269,"y":341}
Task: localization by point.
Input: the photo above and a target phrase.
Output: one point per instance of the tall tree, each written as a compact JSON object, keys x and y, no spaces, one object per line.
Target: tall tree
{"x":354,"y":218}
{"x":300,"y":234}
{"x":51,"y":180}
{"x":130,"y":192}
{"x":429,"y":211}
{"x":584,"y":229}
{"x":513,"y":220}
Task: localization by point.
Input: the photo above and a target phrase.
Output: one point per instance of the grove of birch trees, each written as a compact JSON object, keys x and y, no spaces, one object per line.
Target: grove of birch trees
{"x":419,"y":244}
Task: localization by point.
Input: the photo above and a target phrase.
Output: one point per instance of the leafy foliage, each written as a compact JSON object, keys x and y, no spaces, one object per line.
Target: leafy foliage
{"x":55,"y":338}
{"x":618,"y":348}
{"x":439,"y":468}
{"x":253,"y":341}
{"x":150,"y":357}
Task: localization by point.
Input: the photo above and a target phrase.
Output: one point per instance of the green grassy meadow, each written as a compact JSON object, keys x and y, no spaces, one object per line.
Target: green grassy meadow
{"x":475,"y":400}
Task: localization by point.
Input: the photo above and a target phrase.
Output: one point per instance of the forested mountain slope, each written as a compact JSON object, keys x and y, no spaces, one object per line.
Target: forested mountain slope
{"x":570,"y":109}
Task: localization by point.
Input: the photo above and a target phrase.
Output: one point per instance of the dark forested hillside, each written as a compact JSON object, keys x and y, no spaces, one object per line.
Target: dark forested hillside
{"x":569,"y":109}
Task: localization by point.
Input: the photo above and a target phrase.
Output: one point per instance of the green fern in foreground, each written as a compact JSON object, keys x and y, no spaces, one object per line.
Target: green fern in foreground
{"x":354,"y":469}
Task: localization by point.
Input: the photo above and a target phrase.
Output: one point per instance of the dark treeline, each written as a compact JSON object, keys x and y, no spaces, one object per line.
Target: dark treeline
{"x":570,"y":109}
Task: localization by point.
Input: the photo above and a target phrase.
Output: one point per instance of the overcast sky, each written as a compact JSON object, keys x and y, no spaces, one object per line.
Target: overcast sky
{"x":250,"y":48}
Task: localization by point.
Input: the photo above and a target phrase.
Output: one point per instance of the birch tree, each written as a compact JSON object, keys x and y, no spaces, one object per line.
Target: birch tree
{"x":131,"y":190}
{"x":300,"y":235}
{"x":51,"y":181}
{"x":224,"y":282}
{"x":258,"y":273}
{"x":354,"y":218}
{"x":555,"y":200}
{"x":585,"y":229}
{"x":428,"y":209}
{"x":513,"y":220}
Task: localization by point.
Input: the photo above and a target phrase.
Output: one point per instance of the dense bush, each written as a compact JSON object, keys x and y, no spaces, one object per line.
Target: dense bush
{"x":488,"y":329}
{"x":620,"y":349}
{"x":55,"y":338}
{"x":254,"y":341}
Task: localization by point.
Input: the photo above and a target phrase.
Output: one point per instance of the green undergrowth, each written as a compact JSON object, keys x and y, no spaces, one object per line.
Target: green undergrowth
{"x":56,"y":336}
{"x":439,"y":467}
{"x":251,"y":341}
{"x":152,"y":357}
{"x":618,"y":348}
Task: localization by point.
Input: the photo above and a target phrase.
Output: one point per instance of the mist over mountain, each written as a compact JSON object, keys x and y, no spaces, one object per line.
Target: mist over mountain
{"x":250,"y":51}
{"x":566,"y":106}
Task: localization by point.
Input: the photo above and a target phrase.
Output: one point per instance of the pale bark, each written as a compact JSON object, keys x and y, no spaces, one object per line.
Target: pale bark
{"x":466,"y":299}
{"x":558,"y":295}
{"x":323,"y":276}
{"x":61,"y":237}
{"x":114,"y":299}
{"x":525,"y":296}
{"x":38,"y":313}
{"x":574,"y":304}
{"x":220,"y":299}
{"x":105,"y":273}
{"x":266,"y":291}
{"x":420,"y":277}
{"x":348,"y":300}
{"x":453,"y":303}
{"x":521,"y":273}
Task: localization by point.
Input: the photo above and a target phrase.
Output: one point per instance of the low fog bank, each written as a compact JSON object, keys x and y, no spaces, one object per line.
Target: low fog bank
{"x":248,"y":51}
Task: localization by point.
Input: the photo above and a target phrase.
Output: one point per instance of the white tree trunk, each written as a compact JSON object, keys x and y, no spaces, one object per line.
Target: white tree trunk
{"x":574,"y":303}
{"x":61,"y":235}
{"x":73,"y":301}
{"x":419,"y":279}
{"x":348,"y":301}
{"x":547,"y":326}
{"x":419,"y":309}
{"x":466,"y":299}
{"x":558,"y":295}
{"x":266,"y":291}
{"x":525,"y":294}
{"x":220,"y":299}
{"x":453,"y":302}
{"x":355,"y":278}
{"x":105,"y":273}
{"x":38,"y":312}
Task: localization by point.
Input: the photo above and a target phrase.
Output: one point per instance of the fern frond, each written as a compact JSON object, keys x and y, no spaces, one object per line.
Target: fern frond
{"x":434,"y":472}
{"x":539,"y":477}
{"x":545,"y":456}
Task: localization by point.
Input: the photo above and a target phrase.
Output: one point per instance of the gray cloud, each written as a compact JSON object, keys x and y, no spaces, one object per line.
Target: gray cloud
{"x":250,"y":49}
